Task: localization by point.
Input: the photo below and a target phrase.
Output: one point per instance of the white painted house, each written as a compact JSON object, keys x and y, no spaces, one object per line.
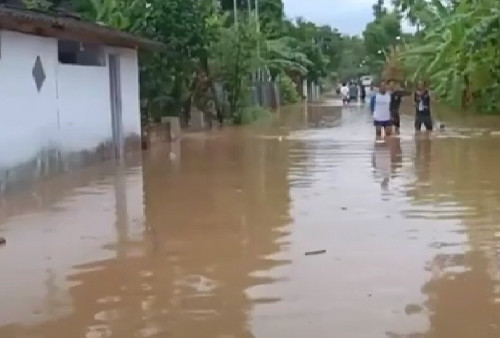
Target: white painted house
{"x":69,"y":91}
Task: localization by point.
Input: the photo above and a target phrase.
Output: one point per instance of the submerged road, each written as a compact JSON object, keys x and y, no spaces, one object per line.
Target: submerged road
{"x":301,"y":227}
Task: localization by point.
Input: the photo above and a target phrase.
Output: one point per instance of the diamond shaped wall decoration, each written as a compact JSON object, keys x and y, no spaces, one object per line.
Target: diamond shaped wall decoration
{"x":38,"y":73}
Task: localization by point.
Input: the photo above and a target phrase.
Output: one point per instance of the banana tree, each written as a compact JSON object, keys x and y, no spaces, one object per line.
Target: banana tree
{"x":281,"y":55}
{"x":458,"y":52}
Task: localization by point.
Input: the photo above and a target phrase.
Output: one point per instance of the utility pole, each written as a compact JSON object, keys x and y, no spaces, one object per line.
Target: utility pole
{"x":258,"y":34}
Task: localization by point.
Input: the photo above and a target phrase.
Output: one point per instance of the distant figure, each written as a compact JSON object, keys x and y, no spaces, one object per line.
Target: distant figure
{"x":423,"y":107}
{"x":362,"y":92}
{"x":353,"y":92}
{"x":380,"y":108}
{"x":396,"y":98}
{"x":344,"y":91}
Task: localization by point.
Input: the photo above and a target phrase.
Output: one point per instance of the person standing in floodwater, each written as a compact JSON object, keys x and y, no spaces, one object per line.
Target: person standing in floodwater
{"x":396,"y":98}
{"x":380,"y":107}
{"x":362,"y":91}
{"x":423,"y":107}
{"x":344,"y":91}
{"x":353,"y":92}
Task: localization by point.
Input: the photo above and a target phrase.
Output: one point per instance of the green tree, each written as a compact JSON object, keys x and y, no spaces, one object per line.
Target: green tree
{"x":271,"y":18}
{"x":379,"y":11}
{"x":331,"y":44}
{"x":380,"y":37}
{"x":353,"y":59}
{"x":168,"y":79}
{"x":234,"y":59}
{"x":459,"y":52}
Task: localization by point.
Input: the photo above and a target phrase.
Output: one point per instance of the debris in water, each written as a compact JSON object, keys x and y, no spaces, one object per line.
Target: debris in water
{"x":344,"y":208}
{"x":3,"y":241}
{"x":312,"y":253}
{"x":411,"y":309}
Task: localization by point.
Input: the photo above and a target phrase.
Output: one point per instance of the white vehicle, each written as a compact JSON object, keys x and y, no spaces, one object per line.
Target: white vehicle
{"x":367,"y":80}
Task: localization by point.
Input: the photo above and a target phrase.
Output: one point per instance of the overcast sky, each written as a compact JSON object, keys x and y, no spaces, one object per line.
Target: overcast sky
{"x":348,"y":16}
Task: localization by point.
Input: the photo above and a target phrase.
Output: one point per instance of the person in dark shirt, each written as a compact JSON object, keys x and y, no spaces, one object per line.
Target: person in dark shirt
{"x":396,"y":97}
{"x":362,"y":91}
{"x":423,"y":107}
{"x":353,"y":91}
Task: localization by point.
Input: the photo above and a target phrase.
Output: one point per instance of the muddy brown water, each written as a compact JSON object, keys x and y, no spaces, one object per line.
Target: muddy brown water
{"x":208,"y":237}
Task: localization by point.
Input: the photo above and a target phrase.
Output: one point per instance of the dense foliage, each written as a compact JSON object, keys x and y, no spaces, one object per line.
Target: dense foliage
{"x":210,"y":45}
{"x":208,"y":41}
{"x":457,"y":49}
{"x":381,"y":37}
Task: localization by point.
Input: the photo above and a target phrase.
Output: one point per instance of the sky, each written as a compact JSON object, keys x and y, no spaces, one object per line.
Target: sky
{"x":348,"y":16}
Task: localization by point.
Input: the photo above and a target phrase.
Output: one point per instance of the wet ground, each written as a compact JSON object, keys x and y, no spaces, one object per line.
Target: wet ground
{"x":208,"y":237}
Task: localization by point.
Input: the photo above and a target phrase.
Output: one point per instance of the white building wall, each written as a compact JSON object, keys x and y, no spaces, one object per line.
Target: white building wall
{"x":28,"y":118}
{"x":84,"y":107}
{"x":72,"y":111}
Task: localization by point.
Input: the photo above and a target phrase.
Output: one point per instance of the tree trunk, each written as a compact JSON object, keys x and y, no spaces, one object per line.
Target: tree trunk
{"x":237,"y":83}
{"x":211,"y":84}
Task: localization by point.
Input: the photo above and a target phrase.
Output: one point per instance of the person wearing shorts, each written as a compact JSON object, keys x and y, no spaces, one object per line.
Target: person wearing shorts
{"x":380,"y":107}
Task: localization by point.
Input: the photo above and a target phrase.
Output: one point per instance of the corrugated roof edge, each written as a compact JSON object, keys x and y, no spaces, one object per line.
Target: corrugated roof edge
{"x":71,"y":22}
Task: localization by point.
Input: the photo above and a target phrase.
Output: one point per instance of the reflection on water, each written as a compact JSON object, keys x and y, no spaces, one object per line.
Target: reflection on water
{"x":387,"y":159}
{"x":206,"y":237}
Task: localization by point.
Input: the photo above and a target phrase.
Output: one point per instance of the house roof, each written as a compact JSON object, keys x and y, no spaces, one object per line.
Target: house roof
{"x":65,"y":25}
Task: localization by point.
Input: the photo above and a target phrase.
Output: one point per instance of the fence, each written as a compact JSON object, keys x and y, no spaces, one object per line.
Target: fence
{"x":262,"y":93}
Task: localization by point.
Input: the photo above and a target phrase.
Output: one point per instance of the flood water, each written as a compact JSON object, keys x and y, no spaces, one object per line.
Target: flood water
{"x":208,"y":237}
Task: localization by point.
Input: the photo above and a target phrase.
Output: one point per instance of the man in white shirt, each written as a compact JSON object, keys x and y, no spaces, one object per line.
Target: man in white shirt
{"x":380,"y":106}
{"x":344,"y":91}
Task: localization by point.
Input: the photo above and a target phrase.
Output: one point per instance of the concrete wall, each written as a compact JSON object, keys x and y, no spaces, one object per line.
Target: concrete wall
{"x":28,"y":118}
{"x":70,"y":114}
{"x":84,"y":107}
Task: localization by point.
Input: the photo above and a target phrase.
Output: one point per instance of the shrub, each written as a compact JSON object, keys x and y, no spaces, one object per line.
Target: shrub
{"x":288,"y":91}
{"x":252,"y":114}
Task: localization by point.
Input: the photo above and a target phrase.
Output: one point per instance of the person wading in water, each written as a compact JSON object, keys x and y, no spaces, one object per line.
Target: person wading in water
{"x":344,"y":91}
{"x":362,"y":91}
{"x":423,"y":107}
{"x":396,"y":97}
{"x":380,"y":108}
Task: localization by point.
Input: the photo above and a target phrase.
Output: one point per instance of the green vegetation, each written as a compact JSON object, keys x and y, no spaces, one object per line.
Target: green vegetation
{"x":209,"y":45}
{"x":457,"y":49}
{"x":251,"y":114}
{"x":288,"y":90}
